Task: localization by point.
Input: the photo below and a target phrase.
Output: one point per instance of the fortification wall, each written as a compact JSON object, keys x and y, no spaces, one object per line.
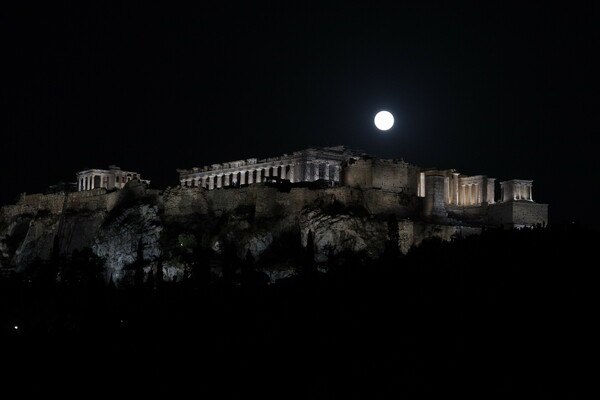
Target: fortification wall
{"x":88,"y":200}
{"x":382,"y":202}
{"x":434,"y":206}
{"x":92,"y":200}
{"x":469,"y":214}
{"x":33,"y":203}
{"x":518,"y":214}
{"x":388,"y":175}
{"x":184,"y":200}
{"x":267,"y":201}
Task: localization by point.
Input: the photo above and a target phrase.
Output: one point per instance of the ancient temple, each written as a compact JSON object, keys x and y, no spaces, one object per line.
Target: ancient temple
{"x":111,"y":178}
{"x":301,"y":166}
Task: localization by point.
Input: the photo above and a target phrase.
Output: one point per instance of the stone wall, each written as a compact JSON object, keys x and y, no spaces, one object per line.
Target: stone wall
{"x":476,"y":214}
{"x":388,"y":175}
{"x":434,"y":207}
{"x":516,"y":214}
{"x":33,"y":203}
{"x":90,"y":200}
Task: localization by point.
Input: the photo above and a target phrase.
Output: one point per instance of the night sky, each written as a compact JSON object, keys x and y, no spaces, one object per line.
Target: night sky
{"x":489,"y":88}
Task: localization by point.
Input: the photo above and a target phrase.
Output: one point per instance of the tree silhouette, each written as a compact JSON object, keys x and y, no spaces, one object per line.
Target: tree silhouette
{"x":83,"y":267}
{"x":309,"y":266}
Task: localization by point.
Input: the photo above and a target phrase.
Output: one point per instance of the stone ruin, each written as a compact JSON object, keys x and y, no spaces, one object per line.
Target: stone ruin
{"x":448,"y":196}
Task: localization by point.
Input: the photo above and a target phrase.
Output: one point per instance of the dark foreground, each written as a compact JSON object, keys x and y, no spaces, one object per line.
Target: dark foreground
{"x":504,"y":315}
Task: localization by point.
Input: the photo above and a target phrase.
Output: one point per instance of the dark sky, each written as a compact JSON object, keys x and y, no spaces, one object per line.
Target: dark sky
{"x":489,"y":88}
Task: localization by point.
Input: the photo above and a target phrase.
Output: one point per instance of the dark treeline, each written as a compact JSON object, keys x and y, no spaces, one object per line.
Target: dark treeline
{"x":502,"y":315}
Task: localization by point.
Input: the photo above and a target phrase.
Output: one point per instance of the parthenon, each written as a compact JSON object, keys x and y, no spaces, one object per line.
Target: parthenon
{"x":301,"y":166}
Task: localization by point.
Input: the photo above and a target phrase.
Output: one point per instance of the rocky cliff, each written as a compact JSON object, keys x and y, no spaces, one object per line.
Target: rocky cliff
{"x":140,"y":230}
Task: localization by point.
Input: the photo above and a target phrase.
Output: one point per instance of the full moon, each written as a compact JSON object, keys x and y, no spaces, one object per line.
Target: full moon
{"x":384,"y":120}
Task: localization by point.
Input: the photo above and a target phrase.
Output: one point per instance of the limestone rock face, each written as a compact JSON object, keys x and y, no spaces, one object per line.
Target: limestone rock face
{"x":137,"y":230}
{"x":256,"y":243}
{"x":39,"y":240}
{"x":334,"y":234}
{"x":133,"y":236}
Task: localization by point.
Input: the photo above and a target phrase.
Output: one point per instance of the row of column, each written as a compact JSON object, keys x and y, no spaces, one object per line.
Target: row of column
{"x":470,"y":194}
{"x":312,"y":171}
{"x":524,"y":192}
{"x":88,"y":182}
{"x":519,"y":192}
{"x":455,"y":192}
{"x":257,"y":175}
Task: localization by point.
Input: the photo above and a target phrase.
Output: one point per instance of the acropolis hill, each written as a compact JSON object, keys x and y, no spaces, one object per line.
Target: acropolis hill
{"x":347,"y":199}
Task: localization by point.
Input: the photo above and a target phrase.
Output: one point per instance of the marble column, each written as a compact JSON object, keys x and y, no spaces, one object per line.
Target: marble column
{"x":307,"y":175}
{"x":490,"y":198}
{"x":251,"y":176}
{"x":317,"y":168}
{"x":258,"y":173}
{"x":326,"y":175}
{"x":292,"y":172}
{"x":243,"y":177}
{"x":455,"y":191}
{"x":530,"y":192}
{"x":336,"y":173}
{"x":226,"y":179}
{"x":211,"y":182}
